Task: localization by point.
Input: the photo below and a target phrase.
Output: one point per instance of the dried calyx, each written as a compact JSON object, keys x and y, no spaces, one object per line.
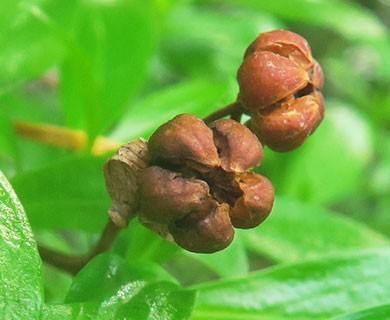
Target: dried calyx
{"x":121,"y":172}
{"x":279,"y":88}
{"x":198,"y":187}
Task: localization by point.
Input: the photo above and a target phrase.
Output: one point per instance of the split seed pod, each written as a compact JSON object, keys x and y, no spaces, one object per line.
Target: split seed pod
{"x":198,"y":187}
{"x":279,"y":88}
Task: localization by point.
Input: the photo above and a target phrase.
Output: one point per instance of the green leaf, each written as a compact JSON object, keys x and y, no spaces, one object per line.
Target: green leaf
{"x":9,"y":158}
{"x":123,"y":291}
{"x":233,"y":256}
{"x":68,"y":194}
{"x":346,"y":18}
{"x":367,"y":92}
{"x":199,"y":97}
{"x":217,"y":47}
{"x":314,"y":289}
{"x":29,"y":45}
{"x":134,"y":300}
{"x":107,"y":62}
{"x":331,"y":164}
{"x":57,"y":283}
{"x":21,"y":289}
{"x":295,"y":231}
{"x":112,"y":271}
{"x":159,"y":301}
{"x":58,"y":312}
{"x":157,"y":250}
{"x":378,"y":313}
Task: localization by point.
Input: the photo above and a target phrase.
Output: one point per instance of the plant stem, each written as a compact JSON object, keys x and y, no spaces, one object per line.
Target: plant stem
{"x":63,"y":137}
{"x":73,"y":264}
{"x":223,"y":112}
{"x":107,"y":238}
{"x":68,"y":263}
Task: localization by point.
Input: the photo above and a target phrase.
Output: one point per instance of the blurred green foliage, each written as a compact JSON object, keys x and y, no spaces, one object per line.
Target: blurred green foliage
{"x":120,"y":68}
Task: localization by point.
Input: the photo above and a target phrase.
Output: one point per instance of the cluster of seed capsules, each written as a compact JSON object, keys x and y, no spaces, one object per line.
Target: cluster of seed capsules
{"x":192,"y":183}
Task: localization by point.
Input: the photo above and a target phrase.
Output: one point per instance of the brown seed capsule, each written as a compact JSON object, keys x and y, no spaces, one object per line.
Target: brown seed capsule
{"x":182,"y":141}
{"x":265,"y":78}
{"x":254,"y":206}
{"x":279,"y":82}
{"x":284,"y":43}
{"x":209,"y":234}
{"x":195,"y":181}
{"x":239,"y":149}
{"x":121,"y":172}
{"x":317,"y":76}
{"x":165,"y":196}
{"x":288,"y":125}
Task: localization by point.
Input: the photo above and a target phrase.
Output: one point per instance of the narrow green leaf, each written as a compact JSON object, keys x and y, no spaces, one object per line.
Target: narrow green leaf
{"x":107,"y":62}
{"x":234,"y":257}
{"x":157,"y":250}
{"x":315,"y":289}
{"x":68,"y":194}
{"x":199,"y":97}
{"x":376,"y":313}
{"x":21,"y":289}
{"x":331,"y":164}
{"x":295,"y":231}
{"x":112,"y":271}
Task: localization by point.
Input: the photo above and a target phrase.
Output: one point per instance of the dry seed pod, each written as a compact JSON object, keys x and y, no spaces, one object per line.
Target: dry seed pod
{"x":198,"y":178}
{"x":211,"y":233}
{"x":120,"y":173}
{"x":289,"y":124}
{"x":265,"y":78}
{"x":256,"y":202}
{"x":284,"y":43}
{"x":279,"y":87}
{"x":165,"y":196}
{"x":239,"y":149}
{"x":183,"y":140}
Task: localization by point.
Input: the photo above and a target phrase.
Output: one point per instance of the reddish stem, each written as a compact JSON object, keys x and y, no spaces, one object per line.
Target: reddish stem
{"x":223,"y":112}
{"x":73,"y":264}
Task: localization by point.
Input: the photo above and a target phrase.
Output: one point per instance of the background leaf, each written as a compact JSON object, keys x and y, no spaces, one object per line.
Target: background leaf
{"x":349,"y":19}
{"x":154,"y":301}
{"x":123,"y":292}
{"x":296,"y":231}
{"x":228,"y":263}
{"x":112,"y":271}
{"x":29,"y":45}
{"x":313,"y":289}
{"x":145,"y":115}
{"x":9,"y":157}
{"x":71,"y":194}
{"x":106,"y":63}
{"x":158,"y":250}
{"x":331,"y":164}
{"x":21,"y":289}
{"x":378,"y":313}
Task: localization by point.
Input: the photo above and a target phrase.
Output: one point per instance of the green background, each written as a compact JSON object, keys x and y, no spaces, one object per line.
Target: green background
{"x":119,"y":69}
